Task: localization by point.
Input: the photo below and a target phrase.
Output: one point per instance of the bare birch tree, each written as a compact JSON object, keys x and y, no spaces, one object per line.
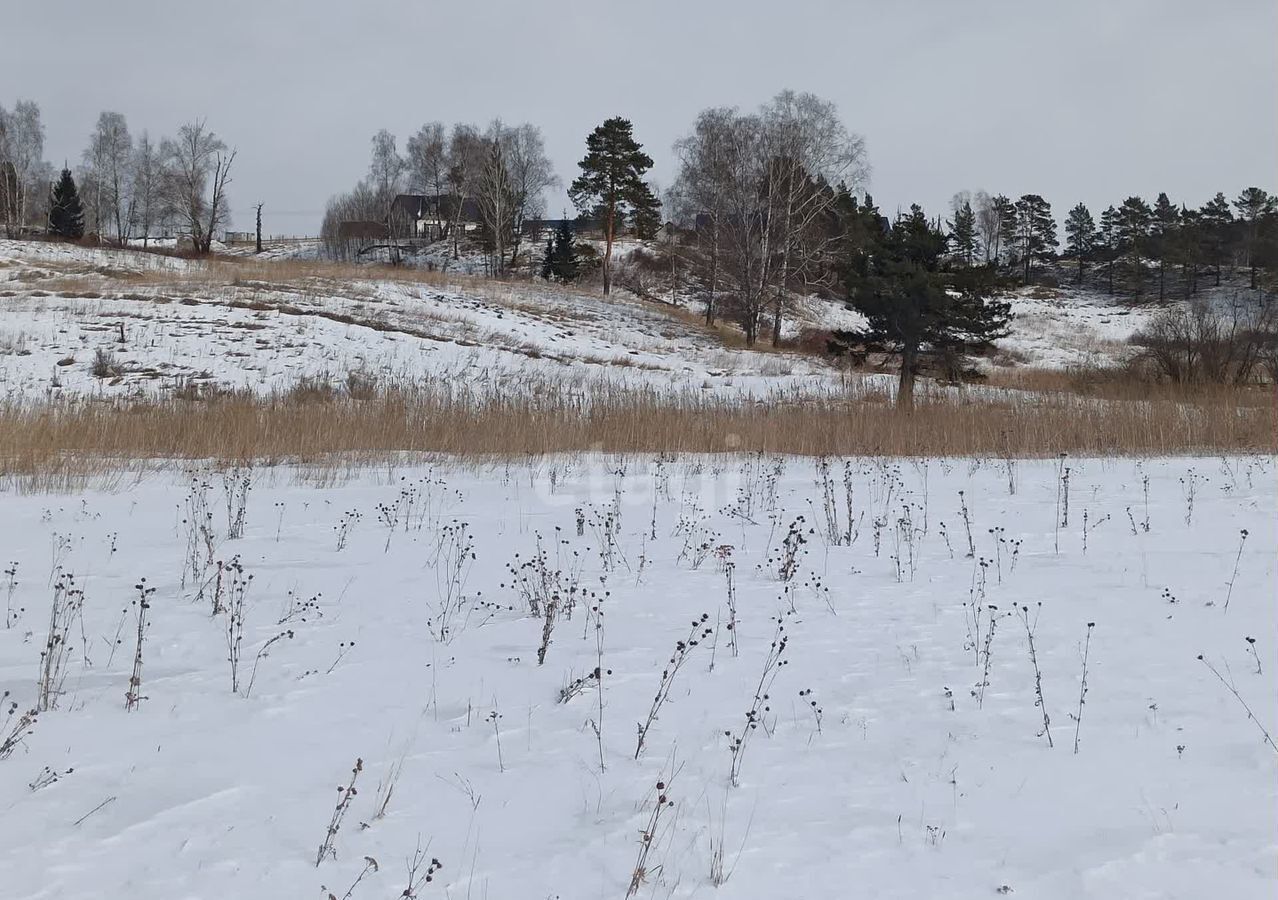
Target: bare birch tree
{"x":811,"y":150}
{"x":466,"y":157}
{"x":531,"y":175}
{"x":386,"y":171}
{"x":25,"y":174}
{"x":988,"y":224}
{"x":768,"y":180}
{"x":426,"y":155}
{"x":106,"y":184}
{"x":493,"y":195}
{"x":199,"y":165}
{"x":698,"y":198}
{"x":147,"y":185}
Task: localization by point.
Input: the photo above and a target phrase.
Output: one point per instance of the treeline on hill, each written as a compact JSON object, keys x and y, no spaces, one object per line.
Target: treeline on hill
{"x":464,"y":186}
{"x":768,"y":208}
{"x":125,"y":189}
{"x":1134,"y":249}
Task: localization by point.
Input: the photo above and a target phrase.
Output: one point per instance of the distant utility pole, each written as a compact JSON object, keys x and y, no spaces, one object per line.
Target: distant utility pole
{"x":259,"y":228}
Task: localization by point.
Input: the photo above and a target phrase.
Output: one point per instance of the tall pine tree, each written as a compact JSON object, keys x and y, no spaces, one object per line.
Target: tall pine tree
{"x":911,"y":304}
{"x":1080,"y":237}
{"x":66,"y":214}
{"x":1108,"y":240}
{"x":1035,"y":232}
{"x":611,"y":183}
{"x":1134,"y":220}
{"x":1165,"y":223}
{"x":1217,"y":230}
{"x":963,"y":232}
{"x":1256,"y":208}
{"x":1188,"y":248}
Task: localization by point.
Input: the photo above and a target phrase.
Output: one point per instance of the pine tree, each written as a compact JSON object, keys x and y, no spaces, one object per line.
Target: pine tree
{"x":1134,"y":220}
{"x":1188,"y":248}
{"x":1217,"y":224}
{"x":963,"y":232}
{"x":1035,"y":232}
{"x":1256,"y":209}
{"x":66,"y":214}
{"x":1165,"y":223}
{"x":1080,"y":236}
{"x":1108,"y":238}
{"x":611,"y":181}
{"x":910,"y":302}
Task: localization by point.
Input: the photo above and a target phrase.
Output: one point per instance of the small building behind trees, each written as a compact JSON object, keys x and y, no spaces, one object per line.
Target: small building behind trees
{"x":362,"y":231}
{"x":430,"y":216}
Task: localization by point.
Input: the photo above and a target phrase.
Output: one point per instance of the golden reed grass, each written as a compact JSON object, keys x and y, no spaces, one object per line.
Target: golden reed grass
{"x":84,"y":437}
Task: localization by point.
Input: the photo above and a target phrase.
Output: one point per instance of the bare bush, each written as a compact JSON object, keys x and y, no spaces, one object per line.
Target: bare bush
{"x":15,"y":727}
{"x":1206,"y":343}
{"x":68,"y":602}
{"x":105,"y":365}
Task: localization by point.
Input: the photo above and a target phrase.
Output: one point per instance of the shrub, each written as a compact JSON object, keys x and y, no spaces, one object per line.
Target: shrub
{"x":1205,"y":343}
{"x":104,"y":364}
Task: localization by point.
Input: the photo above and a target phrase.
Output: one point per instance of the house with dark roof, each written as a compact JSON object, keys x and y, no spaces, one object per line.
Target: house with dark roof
{"x":430,"y":215}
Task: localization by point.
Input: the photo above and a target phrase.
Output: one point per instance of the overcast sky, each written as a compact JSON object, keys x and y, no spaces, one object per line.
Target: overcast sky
{"x":1089,"y":100}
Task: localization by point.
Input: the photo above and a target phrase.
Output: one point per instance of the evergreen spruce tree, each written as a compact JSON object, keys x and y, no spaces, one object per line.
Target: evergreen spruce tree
{"x":564,"y":264}
{"x":1108,"y":239}
{"x":1134,"y":221}
{"x":1217,"y":227}
{"x":1080,"y":237}
{"x":645,"y":217}
{"x":963,"y":232}
{"x":1035,"y":232}
{"x":611,"y":182}
{"x":66,"y":214}
{"x":1256,"y":209}
{"x":1165,"y":223}
{"x":911,"y":303}
{"x":548,"y":260}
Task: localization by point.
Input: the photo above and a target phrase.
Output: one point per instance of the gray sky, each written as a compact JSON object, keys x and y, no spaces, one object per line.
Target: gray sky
{"x":1087,"y":100}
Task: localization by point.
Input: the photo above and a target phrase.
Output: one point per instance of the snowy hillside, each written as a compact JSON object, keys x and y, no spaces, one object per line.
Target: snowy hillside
{"x":265,"y":328}
{"x":265,"y":325}
{"x":915,"y":701}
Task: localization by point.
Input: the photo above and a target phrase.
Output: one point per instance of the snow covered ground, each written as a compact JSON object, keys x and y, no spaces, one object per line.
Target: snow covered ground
{"x":900,"y":750}
{"x":251,"y":326}
{"x":60,"y":305}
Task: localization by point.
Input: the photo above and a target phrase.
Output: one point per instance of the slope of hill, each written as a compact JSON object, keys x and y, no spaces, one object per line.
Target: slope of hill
{"x":109,"y":322}
{"x":266,"y":325}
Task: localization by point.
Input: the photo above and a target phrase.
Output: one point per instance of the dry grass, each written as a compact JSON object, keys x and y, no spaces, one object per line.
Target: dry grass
{"x":1128,"y":382}
{"x":63,"y":440}
{"x":1083,"y":411}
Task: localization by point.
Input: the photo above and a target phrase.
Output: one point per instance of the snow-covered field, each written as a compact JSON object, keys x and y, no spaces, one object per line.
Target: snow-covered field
{"x":264,"y":329}
{"x":60,"y":305}
{"x":900,"y":750}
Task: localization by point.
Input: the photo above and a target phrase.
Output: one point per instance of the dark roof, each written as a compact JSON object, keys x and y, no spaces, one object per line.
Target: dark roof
{"x":425,"y":206}
{"x":360,"y":230}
